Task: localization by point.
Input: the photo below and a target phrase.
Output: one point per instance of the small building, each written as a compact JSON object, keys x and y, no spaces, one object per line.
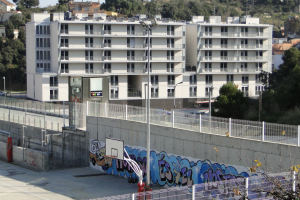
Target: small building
{"x":4,"y":15}
{"x":7,"y":5}
{"x":2,"y":31}
{"x":88,"y":8}
{"x":111,"y":13}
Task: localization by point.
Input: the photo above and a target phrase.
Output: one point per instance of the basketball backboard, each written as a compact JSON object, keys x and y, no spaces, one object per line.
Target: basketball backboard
{"x":114,"y":147}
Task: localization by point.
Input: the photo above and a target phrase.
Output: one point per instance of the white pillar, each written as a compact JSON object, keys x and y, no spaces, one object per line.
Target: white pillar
{"x":298,"y":135}
{"x":263,"y":131}
{"x":294,"y":180}
{"x":87,"y":108}
{"x":200,"y":123}
{"x":173,"y":118}
{"x":126,"y":111}
{"x":193,"y":192}
{"x":132,"y":197}
{"x":247,"y":186}
{"x":229,"y":127}
{"x":105,"y":109}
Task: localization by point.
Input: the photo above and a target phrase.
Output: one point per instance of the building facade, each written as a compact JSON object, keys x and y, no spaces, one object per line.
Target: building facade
{"x":185,"y":58}
{"x":7,"y":6}
{"x":236,"y":50}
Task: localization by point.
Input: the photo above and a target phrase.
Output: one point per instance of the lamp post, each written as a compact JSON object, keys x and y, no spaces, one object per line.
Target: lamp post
{"x":174,"y":92}
{"x":4,"y":83}
{"x":209,"y":97}
{"x":148,"y":28}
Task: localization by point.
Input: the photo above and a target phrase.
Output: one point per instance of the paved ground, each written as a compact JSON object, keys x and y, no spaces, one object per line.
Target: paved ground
{"x":20,"y":183}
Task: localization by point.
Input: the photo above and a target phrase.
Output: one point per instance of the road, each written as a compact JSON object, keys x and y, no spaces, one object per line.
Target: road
{"x":17,"y":183}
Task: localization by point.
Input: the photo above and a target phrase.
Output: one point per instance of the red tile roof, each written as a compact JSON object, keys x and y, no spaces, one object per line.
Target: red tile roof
{"x":7,"y":3}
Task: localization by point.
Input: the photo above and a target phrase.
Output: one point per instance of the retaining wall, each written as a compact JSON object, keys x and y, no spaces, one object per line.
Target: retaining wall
{"x":173,"y":146}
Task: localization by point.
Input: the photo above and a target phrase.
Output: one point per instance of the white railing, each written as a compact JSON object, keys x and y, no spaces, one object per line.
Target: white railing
{"x":233,"y":34}
{"x":262,"y":131}
{"x":168,"y":33}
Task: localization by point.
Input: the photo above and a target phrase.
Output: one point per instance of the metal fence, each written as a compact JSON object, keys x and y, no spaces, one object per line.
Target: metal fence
{"x":255,"y":187}
{"x":264,"y":131}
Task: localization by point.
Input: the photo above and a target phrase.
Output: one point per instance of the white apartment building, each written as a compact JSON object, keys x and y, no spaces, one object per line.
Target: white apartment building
{"x":236,"y":50}
{"x":62,"y":52}
{"x":66,"y":58}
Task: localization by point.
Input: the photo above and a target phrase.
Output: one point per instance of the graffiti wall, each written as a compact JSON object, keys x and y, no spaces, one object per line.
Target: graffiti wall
{"x":166,"y":169}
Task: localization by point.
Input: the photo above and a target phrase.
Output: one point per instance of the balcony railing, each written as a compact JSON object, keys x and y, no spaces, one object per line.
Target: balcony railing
{"x":106,"y":45}
{"x":64,"y":45}
{"x":89,"y":57}
{"x":193,"y":82}
{"x":90,"y":32}
{"x":106,"y":57}
{"x":171,"y":82}
{"x":135,"y":45}
{"x":130,"y":32}
{"x":83,"y":71}
{"x":254,"y":46}
{"x":171,"y":94}
{"x":53,"y":96}
{"x":245,"y":81}
{"x":54,"y":84}
{"x":226,"y":70}
{"x":232,"y":58}
{"x":133,"y":93}
{"x":233,"y":34}
{"x":168,"y":33}
{"x":208,"y":82}
{"x":154,"y":94}
{"x":114,"y":95}
{"x":64,"y":57}
{"x":89,"y":45}
{"x":193,"y":94}
{"x":106,"y":32}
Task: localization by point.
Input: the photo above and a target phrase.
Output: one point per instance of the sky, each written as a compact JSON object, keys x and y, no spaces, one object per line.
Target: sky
{"x":45,"y":3}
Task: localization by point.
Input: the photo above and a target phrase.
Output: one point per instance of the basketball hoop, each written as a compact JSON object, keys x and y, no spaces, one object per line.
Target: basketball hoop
{"x":108,"y":160}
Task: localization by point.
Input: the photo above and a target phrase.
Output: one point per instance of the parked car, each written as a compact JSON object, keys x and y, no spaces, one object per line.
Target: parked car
{"x":3,"y":93}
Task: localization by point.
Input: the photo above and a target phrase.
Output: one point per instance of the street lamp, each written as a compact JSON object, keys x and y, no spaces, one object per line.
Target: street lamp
{"x":174,"y":92}
{"x":209,"y":97}
{"x":148,"y":28}
{"x":4,"y":83}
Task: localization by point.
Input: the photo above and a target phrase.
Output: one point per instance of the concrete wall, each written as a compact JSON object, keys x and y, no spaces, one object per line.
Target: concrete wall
{"x":33,"y":159}
{"x":175,"y":146}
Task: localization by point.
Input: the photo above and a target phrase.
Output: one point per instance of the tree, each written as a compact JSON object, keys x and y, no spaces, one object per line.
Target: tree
{"x":9,"y":30}
{"x":17,"y":20}
{"x":294,"y":26}
{"x":231,"y":102}
{"x":28,"y":3}
{"x":21,"y":35}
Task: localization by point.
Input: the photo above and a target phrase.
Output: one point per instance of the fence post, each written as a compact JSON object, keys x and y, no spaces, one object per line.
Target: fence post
{"x":173,"y":118}
{"x":247,"y":186}
{"x":298,"y":135}
{"x":132,"y":197}
{"x":200,"y":123}
{"x":64,"y":112}
{"x":294,"y":180}
{"x":263,"y":131}
{"x":229,"y":127}
{"x":126,"y":111}
{"x":193,"y":192}
{"x":105,"y":109}
{"x":87,"y":108}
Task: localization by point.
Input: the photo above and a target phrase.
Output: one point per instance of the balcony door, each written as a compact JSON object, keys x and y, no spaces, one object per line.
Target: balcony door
{"x":130,"y":55}
{"x":170,"y":42}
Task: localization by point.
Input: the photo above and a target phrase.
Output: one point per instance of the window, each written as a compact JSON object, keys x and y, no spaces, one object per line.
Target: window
{"x":64,"y":42}
{"x":259,"y":53}
{"x":89,"y":55}
{"x":223,"y":67}
{"x":107,"y":29}
{"x":89,"y":68}
{"x":86,"y":9}
{"x":171,"y":80}
{"x":37,"y":30}
{"x":107,"y":42}
{"x":48,"y":30}
{"x":230,"y":78}
{"x":64,"y":55}
{"x":259,"y":89}
{"x":41,"y":29}
{"x":37,"y":42}
{"x":259,"y":66}
{"x":258,"y":78}
{"x":224,"y":29}
{"x":208,"y":67}
{"x":107,"y":68}
{"x":193,"y":91}
{"x":208,"y":30}
{"x":245,"y":90}
{"x":130,"y":67}
{"x":170,"y":67}
{"x":154,"y":80}
{"x":114,"y":93}
{"x":45,"y":29}
{"x":53,"y":81}
{"x":146,"y":42}
{"x":114,"y":80}
{"x":89,"y":29}
{"x":53,"y":94}
{"x":130,"y":29}
{"x":64,"y":29}
{"x":170,"y":30}
{"x":89,"y":42}
{"x":245,"y":79}
{"x":130,"y":55}
{"x":224,"y":43}
{"x":208,"y":43}
{"x":146,"y":67}
{"x":208,"y":79}
{"x":244,"y":43}
{"x":95,"y":9}
{"x":207,"y":92}
{"x":208,"y":55}
{"x":193,"y":80}
{"x":48,"y":56}
{"x":107,"y":55}
{"x":244,"y":67}
{"x":41,"y":55}
{"x":244,"y":53}
{"x":223,"y":55}
{"x":170,"y":42}
{"x":170,"y":55}
{"x":171,"y":93}
{"x":64,"y":68}
{"x":154,"y":92}
{"x":46,"y":67}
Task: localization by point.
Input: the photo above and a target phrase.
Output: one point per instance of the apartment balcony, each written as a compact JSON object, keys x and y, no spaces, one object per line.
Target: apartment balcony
{"x":53,"y":96}
{"x":232,"y":34}
{"x":252,"y":58}
{"x":227,"y":70}
{"x":168,"y":33}
{"x":81,"y":72}
{"x":44,"y":70}
{"x":193,"y":94}
{"x":233,"y":58}
{"x":168,"y":58}
{"x":133,"y":93}
{"x":114,"y":95}
{"x":171,"y":94}
{"x":220,"y":46}
{"x":137,"y":58}
{"x":254,"y":46}
{"x":154,"y":94}
{"x":218,"y":58}
{"x":81,"y":46}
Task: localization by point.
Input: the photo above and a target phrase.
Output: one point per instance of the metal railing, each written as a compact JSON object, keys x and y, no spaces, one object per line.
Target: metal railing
{"x":254,"y":187}
{"x":263,"y":131}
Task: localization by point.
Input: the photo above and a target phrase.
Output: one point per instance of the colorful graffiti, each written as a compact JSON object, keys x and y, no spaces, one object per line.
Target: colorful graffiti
{"x":165,"y":170}
{"x":33,"y":158}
